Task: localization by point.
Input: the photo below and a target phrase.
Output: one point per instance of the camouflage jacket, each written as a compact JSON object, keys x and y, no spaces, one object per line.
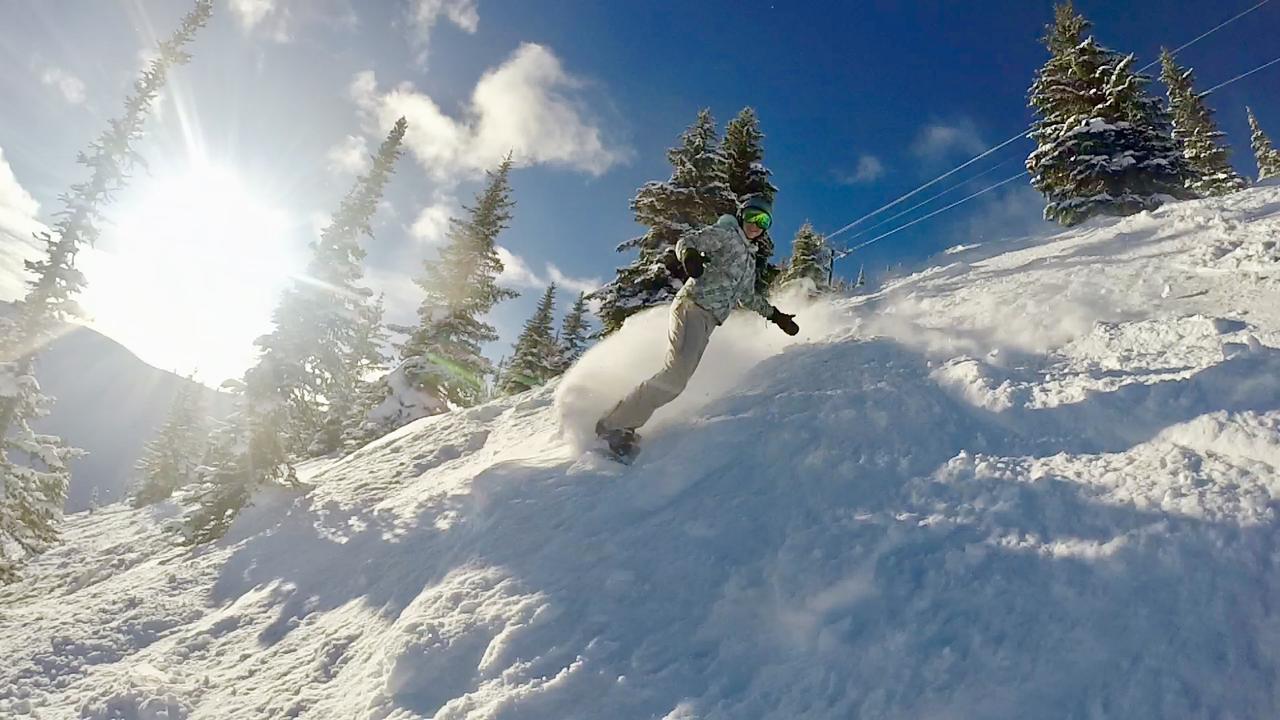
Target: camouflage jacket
{"x":729,"y":278}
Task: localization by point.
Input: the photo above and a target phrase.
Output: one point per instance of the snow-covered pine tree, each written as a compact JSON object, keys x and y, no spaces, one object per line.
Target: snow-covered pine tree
{"x":247,"y":452}
{"x":809,"y":259}
{"x":747,"y":175}
{"x":1104,"y":145}
{"x":536,"y":356}
{"x":349,"y":415}
{"x":1264,"y":152}
{"x":500,"y":370}
{"x":316,"y":348}
{"x":170,"y":459}
{"x":744,"y":160}
{"x":693,"y":197}
{"x":34,"y":469}
{"x":1059,"y":95}
{"x":442,"y":354}
{"x":1197,"y":133}
{"x":574,"y":331}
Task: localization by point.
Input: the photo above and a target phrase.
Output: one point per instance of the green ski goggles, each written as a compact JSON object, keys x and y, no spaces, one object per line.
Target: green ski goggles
{"x":759,"y":218}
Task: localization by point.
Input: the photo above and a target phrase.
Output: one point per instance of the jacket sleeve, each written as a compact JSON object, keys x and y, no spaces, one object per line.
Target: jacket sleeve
{"x":759,"y":303}
{"x":705,"y":240}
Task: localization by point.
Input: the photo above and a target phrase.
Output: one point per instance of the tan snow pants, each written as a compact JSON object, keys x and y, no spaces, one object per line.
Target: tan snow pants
{"x":687,"y":336}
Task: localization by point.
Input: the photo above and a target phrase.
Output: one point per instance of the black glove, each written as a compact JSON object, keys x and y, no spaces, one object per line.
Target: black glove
{"x":784,"y":321}
{"x":673,"y":265}
{"x":693,"y":262}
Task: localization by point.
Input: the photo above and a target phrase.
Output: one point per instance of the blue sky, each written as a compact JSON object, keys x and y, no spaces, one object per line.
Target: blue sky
{"x":860,"y":103}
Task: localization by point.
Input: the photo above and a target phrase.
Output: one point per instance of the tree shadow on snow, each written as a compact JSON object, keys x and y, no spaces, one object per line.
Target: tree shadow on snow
{"x":813,"y":546}
{"x":1117,"y":420}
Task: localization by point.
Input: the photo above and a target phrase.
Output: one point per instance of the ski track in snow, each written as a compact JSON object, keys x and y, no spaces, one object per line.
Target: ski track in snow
{"x":1037,"y":480}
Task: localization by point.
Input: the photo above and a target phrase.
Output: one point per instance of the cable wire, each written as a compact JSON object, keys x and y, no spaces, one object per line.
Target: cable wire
{"x":932,"y":182}
{"x":983,"y":191}
{"x":1024,"y":133}
{"x":922,"y":203}
{"x":1215,"y":29}
{"x":1242,"y":76}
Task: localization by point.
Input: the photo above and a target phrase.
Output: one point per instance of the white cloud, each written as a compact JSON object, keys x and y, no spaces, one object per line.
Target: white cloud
{"x":939,"y":140}
{"x":432,"y":223}
{"x":252,"y":12}
{"x":350,"y":156}
{"x":425,"y":14}
{"x":269,"y":14}
{"x":15,"y":201}
{"x":277,"y":19}
{"x":869,"y":169}
{"x":572,"y":283}
{"x":18,"y":213}
{"x":70,"y":86}
{"x":516,"y":273}
{"x":521,"y":106}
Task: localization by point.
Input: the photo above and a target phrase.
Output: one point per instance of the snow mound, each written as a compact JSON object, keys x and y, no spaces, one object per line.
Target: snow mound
{"x":1036,"y":480}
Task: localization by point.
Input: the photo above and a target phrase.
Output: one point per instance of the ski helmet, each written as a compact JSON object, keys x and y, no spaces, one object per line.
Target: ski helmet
{"x":755,"y":201}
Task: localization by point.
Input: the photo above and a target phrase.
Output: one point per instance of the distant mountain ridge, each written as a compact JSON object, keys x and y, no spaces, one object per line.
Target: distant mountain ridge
{"x":108,"y":402}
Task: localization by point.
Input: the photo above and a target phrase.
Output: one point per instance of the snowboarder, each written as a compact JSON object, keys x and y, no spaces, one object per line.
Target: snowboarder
{"x":720,"y":264}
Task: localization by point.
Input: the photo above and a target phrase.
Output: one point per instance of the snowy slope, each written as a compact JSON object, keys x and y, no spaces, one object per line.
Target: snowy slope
{"x":1036,"y":480}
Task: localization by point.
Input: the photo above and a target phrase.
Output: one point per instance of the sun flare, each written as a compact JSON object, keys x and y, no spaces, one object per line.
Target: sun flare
{"x":191,"y":268}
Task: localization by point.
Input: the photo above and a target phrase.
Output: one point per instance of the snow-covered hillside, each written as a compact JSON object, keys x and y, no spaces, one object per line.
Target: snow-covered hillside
{"x":1035,"y":481}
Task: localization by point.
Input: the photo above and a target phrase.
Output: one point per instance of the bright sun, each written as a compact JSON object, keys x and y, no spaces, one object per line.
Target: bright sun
{"x":188,"y":274}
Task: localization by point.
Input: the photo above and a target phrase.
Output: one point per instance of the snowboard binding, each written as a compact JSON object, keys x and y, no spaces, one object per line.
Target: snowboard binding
{"x":623,"y":444}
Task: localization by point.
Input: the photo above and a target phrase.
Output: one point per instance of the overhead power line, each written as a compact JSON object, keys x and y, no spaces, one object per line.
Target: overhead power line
{"x":1207,"y":33}
{"x":931,"y":183}
{"x":922,"y":203}
{"x":1242,"y":76}
{"x":961,"y":201}
{"x":1009,"y":141}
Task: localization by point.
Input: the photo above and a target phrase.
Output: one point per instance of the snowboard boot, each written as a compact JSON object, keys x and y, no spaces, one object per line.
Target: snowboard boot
{"x":624,"y":443}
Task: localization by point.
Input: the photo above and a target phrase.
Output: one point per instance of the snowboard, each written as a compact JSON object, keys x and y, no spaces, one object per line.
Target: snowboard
{"x":599,"y":459}
{"x":622,"y":457}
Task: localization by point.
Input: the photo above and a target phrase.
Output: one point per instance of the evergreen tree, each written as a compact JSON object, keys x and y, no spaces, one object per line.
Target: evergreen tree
{"x":1104,"y":145}
{"x":747,"y":175}
{"x":809,"y":258}
{"x":693,"y":197}
{"x":34,"y":469}
{"x":443,"y":351}
{"x":1264,"y":152}
{"x":744,"y":160}
{"x":347,"y":426}
{"x":1197,"y":134}
{"x":247,"y":452}
{"x":573,"y":334}
{"x":326,"y":325}
{"x":536,"y":357}
{"x":169,"y":461}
